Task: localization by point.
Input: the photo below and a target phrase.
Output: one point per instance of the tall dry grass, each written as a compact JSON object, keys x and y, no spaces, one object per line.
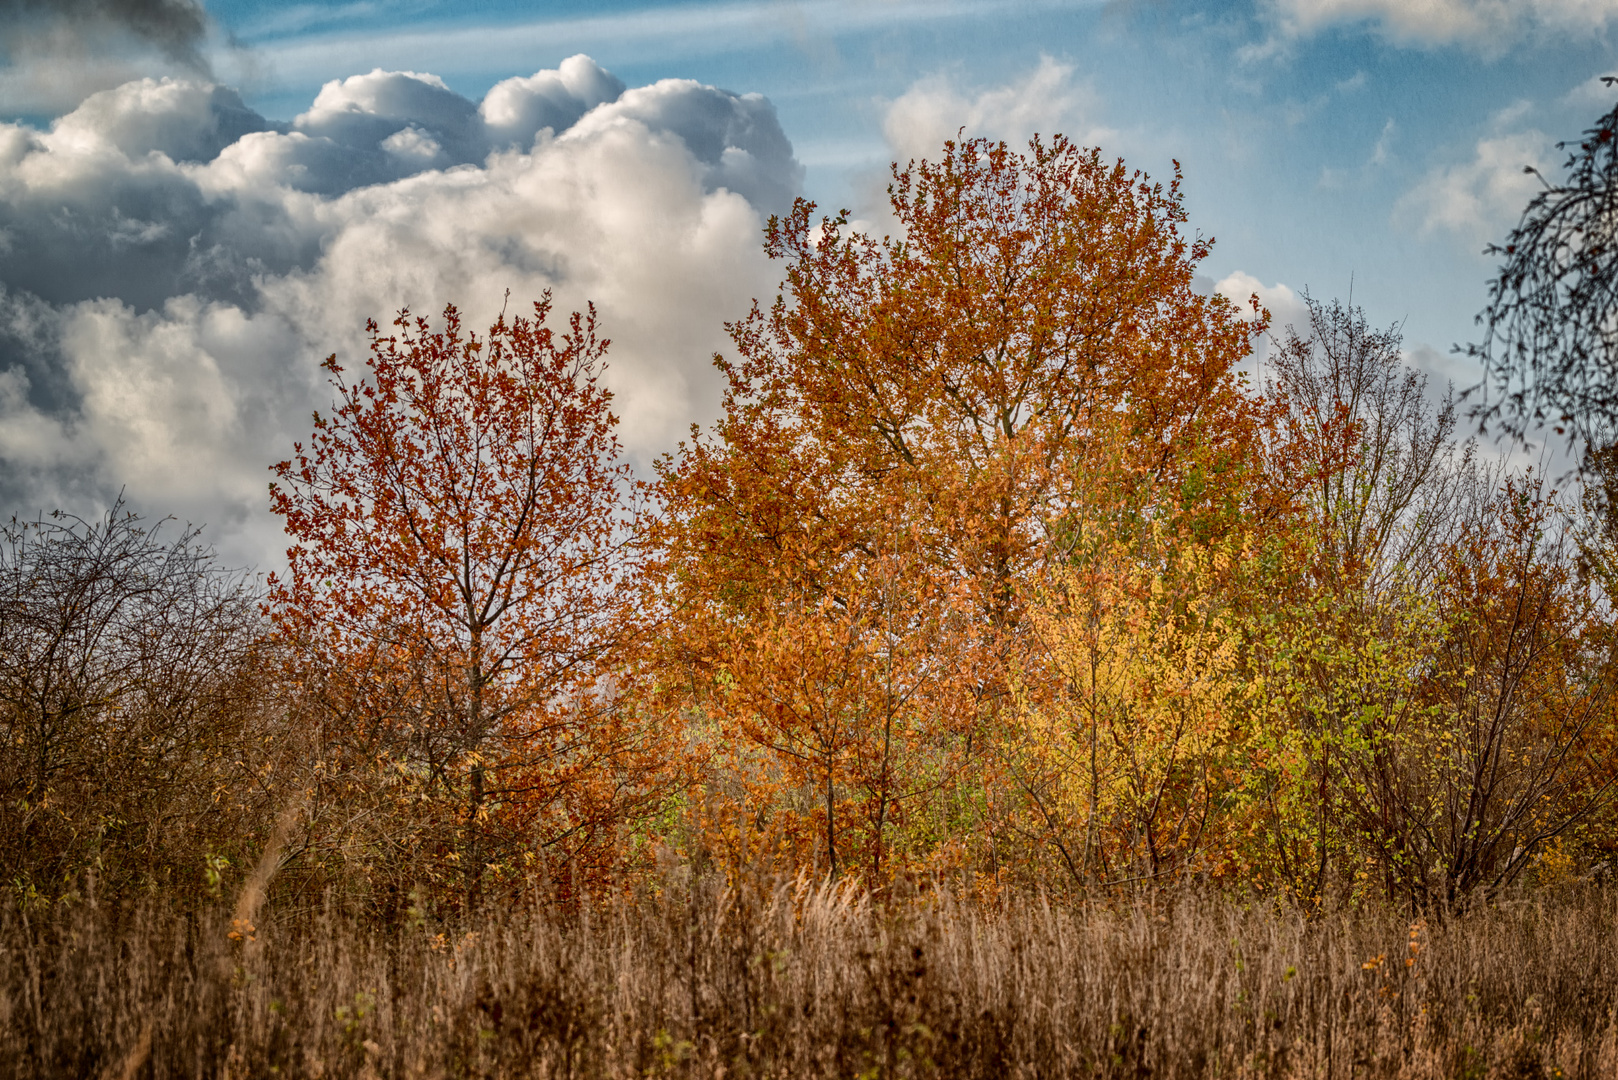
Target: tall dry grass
{"x":813,"y":982}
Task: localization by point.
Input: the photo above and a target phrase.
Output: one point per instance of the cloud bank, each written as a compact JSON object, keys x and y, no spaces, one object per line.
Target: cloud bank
{"x":173,"y":266}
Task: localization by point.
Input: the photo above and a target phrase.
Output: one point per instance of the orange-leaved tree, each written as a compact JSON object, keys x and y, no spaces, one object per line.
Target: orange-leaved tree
{"x":936,"y":402}
{"x":461,"y":527}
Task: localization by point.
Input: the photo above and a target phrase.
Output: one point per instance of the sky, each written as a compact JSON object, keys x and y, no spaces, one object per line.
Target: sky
{"x":200,"y":201}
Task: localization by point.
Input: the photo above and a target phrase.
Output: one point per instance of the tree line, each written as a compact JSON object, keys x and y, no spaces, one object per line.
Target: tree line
{"x":996,"y":569}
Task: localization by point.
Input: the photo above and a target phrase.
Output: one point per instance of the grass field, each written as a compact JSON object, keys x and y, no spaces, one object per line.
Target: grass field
{"x":813,"y":982}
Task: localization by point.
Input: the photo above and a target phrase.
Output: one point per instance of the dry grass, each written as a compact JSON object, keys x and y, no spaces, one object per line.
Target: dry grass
{"x":801,"y":982}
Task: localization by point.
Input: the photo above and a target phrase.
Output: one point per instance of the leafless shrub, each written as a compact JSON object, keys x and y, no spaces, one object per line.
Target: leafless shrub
{"x":135,"y":736}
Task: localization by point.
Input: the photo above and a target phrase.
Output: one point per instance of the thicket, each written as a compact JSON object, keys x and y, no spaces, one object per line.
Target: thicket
{"x":996,"y":579}
{"x":995,"y":569}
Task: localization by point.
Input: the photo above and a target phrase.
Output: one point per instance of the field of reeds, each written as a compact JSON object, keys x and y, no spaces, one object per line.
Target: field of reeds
{"x":801,"y":981}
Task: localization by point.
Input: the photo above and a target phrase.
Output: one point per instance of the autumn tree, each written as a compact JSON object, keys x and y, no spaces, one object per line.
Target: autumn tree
{"x":1385,"y":474}
{"x":462,"y":526}
{"x":1383,"y":488}
{"x":1471,"y":730}
{"x":1512,"y":749}
{"x":1433,"y":683}
{"x":930,"y":401}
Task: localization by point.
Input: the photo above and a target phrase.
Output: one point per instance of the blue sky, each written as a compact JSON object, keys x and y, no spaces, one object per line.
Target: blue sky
{"x":1376,"y":145}
{"x":1312,"y":154}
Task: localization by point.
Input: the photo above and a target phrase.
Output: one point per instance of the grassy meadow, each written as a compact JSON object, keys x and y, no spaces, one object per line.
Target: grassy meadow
{"x":800,"y":981}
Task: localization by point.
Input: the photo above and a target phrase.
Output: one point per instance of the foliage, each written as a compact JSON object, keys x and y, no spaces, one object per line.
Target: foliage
{"x":1126,"y":760}
{"x":462,"y":533}
{"x":912,"y":431}
{"x":1436,"y":701}
{"x":994,"y":570}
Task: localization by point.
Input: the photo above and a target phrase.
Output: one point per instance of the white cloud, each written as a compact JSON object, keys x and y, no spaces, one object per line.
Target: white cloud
{"x":1480,"y":199}
{"x":166,"y":299}
{"x":32,"y":440}
{"x":155,"y":399}
{"x":516,"y":110}
{"x":1284,"y":305}
{"x":1594,"y":93}
{"x":1486,"y":25}
{"x":363,"y":111}
{"x":621,"y":215}
{"x":1049,"y":100}
{"x":736,"y":137}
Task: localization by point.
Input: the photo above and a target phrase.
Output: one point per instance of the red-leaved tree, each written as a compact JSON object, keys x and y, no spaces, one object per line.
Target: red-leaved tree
{"x":462,"y":526}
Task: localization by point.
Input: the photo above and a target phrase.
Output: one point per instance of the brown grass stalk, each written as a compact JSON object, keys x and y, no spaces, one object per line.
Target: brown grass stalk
{"x":800,"y":981}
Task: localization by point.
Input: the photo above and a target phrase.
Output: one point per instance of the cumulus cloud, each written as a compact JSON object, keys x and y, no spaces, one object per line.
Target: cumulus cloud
{"x":1048,"y":100}
{"x":517,"y":110}
{"x":1486,"y":25}
{"x":1479,"y":199}
{"x":105,"y":203}
{"x":174,"y":266}
{"x":1285,"y":306}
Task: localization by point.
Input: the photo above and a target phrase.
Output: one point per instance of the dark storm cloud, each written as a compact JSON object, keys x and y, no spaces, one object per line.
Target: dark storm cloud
{"x":30,"y":347}
{"x":176,"y":27}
